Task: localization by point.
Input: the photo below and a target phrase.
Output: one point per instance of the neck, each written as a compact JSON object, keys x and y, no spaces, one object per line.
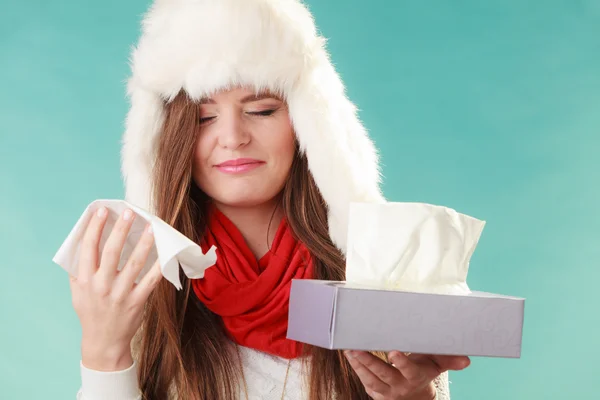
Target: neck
{"x":258,"y":224}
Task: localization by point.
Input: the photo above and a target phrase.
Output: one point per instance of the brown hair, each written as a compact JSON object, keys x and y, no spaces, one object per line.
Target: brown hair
{"x":182,"y":346}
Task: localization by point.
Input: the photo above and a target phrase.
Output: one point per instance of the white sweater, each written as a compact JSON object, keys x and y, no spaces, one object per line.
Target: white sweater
{"x":264,"y":373}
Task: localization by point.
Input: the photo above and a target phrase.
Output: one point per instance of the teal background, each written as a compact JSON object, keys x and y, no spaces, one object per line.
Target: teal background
{"x":490,"y":107}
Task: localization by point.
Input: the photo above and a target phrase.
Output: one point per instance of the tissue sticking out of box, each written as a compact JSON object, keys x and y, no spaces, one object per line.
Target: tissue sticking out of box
{"x":171,"y":247}
{"x":410,"y":246}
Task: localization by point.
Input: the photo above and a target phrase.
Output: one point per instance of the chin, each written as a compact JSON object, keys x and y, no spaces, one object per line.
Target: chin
{"x":246,"y":197}
{"x":244,"y":191}
{"x":243,"y":201}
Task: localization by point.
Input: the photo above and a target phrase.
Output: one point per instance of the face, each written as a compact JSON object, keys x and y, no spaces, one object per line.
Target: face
{"x":245,"y":148}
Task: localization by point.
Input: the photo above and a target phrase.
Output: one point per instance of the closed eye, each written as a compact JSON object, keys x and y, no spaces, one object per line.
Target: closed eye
{"x":206,"y":119}
{"x":264,"y":113}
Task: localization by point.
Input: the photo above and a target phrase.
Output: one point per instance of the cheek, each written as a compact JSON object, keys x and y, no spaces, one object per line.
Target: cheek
{"x":201,"y":156}
{"x":285,"y":146}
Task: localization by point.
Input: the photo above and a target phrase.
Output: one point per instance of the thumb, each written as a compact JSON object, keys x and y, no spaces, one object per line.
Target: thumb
{"x":455,"y":363}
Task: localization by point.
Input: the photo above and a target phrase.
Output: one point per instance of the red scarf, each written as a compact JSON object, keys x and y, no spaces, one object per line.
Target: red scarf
{"x":252,"y":296}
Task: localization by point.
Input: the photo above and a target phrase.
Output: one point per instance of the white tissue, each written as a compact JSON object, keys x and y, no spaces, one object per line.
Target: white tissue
{"x":410,"y":246}
{"x":171,"y":246}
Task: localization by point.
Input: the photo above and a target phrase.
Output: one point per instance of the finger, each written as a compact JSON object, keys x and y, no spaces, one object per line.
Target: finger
{"x":383,"y":370}
{"x":135,"y":264}
{"x":375,"y":395}
{"x":409,"y":370}
{"x":88,"y":259}
{"x":430,"y":367}
{"x":148,"y":283}
{"x":111,"y":255}
{"x":360,"y":362}
{"x":445,"y":362}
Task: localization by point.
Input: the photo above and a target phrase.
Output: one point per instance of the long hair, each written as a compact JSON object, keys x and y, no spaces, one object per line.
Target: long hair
{"x":181,"y":347}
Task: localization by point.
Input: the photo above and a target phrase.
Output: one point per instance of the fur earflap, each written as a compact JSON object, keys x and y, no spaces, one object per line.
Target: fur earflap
{"x":202,"y":46}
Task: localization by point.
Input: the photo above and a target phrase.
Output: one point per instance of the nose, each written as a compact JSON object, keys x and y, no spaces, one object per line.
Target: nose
{"x":233,"y":132}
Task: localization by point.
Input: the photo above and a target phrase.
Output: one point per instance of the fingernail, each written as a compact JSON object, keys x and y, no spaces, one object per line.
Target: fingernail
{"x":127,"y":215}
{"x":149,"y":229}
{"x":101,"y":212}
{"x":349,"y":354}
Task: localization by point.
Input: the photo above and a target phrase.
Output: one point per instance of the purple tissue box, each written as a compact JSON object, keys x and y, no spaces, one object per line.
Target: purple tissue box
{"x":338,"y":315}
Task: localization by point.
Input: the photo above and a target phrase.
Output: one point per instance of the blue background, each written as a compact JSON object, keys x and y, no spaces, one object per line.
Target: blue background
{"x":489,"y":107}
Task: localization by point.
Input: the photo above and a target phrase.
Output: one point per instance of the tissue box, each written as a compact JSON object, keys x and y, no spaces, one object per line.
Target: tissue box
{"x":340,"y":315}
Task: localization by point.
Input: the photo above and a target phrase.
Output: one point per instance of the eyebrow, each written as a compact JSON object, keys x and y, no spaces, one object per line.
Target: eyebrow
{"x":247,"y":99}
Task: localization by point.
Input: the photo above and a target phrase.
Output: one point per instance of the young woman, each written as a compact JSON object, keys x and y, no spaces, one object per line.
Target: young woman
{"x":240,"y":136}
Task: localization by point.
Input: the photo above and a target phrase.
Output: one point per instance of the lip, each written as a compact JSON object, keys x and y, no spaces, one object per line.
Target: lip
{"x":239,"y":165}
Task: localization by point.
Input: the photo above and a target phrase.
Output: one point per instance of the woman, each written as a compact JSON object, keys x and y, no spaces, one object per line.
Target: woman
{"x":240,"y":136}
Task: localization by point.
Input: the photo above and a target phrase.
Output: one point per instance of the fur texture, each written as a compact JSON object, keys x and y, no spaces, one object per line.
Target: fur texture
{"x":203,"y":46}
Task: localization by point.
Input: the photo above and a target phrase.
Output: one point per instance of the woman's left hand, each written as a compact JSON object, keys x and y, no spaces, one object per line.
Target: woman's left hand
{"x":404,"y":377}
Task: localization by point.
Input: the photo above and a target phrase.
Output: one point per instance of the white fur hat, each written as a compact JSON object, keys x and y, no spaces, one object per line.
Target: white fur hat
{"x":202,"y":46}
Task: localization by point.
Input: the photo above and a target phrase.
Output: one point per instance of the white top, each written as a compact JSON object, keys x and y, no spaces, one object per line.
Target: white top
{"x":264,"y":373}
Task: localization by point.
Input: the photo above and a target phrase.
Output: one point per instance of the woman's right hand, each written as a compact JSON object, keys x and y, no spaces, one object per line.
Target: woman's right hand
{"x":108,"y":302}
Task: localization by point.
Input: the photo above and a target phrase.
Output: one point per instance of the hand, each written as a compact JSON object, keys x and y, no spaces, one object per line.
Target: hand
{"x":405,"y":377}
{"x":108,"y":302}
